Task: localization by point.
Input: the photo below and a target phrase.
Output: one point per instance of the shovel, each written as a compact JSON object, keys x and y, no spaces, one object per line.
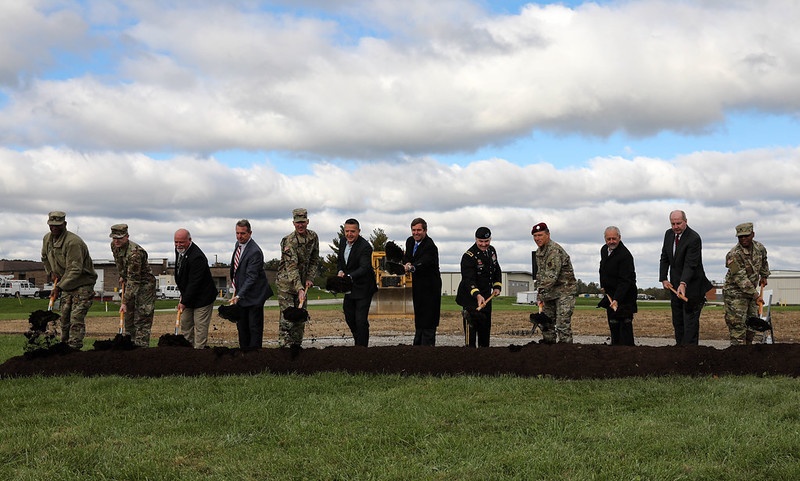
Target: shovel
{"x":759,"y":323}
{"x":540,"y":318}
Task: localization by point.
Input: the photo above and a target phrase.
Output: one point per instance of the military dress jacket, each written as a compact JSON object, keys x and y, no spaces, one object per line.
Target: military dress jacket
{"x":480,"y":274}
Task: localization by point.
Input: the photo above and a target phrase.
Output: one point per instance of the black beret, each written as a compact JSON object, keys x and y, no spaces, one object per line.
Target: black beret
{"x":483,"y":233}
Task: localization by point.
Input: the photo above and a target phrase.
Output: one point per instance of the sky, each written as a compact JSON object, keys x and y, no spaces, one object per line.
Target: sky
{"x":197,"y":113}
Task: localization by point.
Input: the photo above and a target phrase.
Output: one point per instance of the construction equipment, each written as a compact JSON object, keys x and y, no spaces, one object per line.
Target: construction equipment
{"x":393,"y":298}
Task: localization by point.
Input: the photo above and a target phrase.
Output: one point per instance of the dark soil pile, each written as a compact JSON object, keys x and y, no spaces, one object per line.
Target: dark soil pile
{"x":567,"y":361}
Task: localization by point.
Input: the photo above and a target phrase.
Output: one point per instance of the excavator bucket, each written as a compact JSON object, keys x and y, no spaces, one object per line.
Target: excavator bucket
{"x":393,"y":298}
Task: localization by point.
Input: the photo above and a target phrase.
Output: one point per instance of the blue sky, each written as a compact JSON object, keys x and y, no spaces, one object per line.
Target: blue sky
{"x":466,"y":112}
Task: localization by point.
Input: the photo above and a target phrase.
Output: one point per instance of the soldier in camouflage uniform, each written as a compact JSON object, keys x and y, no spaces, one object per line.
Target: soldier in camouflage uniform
{"x":138,"y":284}
{"x":748,"y":270}
{"x":298,"y":266}
{"x":68,"y":264}
{"x":556,"y":286}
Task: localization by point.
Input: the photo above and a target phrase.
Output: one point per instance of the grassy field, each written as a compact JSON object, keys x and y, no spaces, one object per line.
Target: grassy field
{"x":359,"y":427}
{"x":356,"y":427}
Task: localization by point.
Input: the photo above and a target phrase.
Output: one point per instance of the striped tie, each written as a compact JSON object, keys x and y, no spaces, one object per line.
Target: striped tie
{"x":236,"y":264}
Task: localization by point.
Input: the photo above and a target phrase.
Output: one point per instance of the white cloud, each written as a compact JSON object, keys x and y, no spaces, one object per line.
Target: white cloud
{"x":208,"y":76}
{"x":155,"y":197}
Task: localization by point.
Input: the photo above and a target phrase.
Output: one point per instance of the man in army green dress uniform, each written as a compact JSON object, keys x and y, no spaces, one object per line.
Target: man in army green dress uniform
{"x":748,"y":271}
{"x":138,"y":284}
{"x":299,"y":264}
{"x":556,"y":286}
{"x":68,"y":264}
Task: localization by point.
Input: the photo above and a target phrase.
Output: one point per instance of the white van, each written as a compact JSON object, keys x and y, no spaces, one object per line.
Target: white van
{"x":169,"y":292}
{"x":18,"y":288}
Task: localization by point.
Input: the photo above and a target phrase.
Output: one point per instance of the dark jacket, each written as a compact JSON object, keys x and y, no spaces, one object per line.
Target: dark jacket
{"x":480,"y":274}
{"x":426,"y":282}
{"x":618,"y":278}
{"x":193,"y":277}
{"x":358,"y":267}
{"x":250,"y":278}
{"x":686,"y":265}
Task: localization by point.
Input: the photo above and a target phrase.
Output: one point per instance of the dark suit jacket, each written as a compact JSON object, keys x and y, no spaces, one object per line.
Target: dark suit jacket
{"x":618,"y":278}
{"x":686,"y":265}
{"x":250,"y":278}
{"x":194,"y":280}
{"x":358,"y":267}
{"x":426,"y":282}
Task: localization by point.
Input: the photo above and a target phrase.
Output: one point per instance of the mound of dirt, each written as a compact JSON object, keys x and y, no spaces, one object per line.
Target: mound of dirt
{"x":566,"y":361}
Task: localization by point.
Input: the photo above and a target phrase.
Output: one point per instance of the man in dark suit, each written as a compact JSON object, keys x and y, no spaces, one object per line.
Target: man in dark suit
{"x":355,"y":262}
{"x":618,"y":282}
{"x":682,"y":256}
{"x":198,"y":291}
{"x":250,"y":286}
{"x":421,"y":258}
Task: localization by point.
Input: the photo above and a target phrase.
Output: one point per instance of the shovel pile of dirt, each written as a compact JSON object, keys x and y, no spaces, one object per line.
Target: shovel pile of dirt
{"x":563,"y":361}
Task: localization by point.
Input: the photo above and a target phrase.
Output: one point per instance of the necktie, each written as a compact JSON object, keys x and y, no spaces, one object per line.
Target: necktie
{"x":236,"y":264}
{"x":413,"y":252}
{"x":677,"y":240}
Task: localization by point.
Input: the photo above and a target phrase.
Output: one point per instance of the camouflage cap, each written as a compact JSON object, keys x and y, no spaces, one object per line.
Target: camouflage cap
{"x":744,"y":229}
{"x":56,"y":218}
{"x":300,"y":215}
{"x":118,"y":231}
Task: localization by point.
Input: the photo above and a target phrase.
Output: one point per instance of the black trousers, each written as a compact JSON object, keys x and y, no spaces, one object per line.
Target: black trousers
{"x":425,"y":337}
{"x":686,"y":321}
{"x":481,"y":328}
{"x":251,"y":326}
{"x":356,"y":315}
{"x":621,"y":331}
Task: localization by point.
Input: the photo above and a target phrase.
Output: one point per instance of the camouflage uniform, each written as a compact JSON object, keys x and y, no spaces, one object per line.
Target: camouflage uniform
{"x":139,"y":294}
{"x":299,"y":262}
{"x":741,"y":289}
{"x":557,"y":288}
{"x":68,"y":259}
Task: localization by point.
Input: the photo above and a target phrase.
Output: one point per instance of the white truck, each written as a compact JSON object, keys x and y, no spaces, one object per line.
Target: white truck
{"x":17,"y":288}
{"x":168,"y":291}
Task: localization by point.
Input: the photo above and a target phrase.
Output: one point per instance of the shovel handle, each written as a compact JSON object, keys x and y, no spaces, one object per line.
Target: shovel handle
{"x":53,"y":295}
{"x":485,"y":302}
{"x":178,"y":322}
{"x":611,"y":301}
{"x":122,"y":314}
{"x":680,"y":296}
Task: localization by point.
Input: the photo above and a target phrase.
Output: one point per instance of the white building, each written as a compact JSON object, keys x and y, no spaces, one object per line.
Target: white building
{"x":785,"y":287}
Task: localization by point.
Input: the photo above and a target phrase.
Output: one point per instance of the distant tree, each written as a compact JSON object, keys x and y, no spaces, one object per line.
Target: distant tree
{"x":581,"y":287}
{"x":592,"y":288}
{"x":328,"y":263}
{"x":378,"y":240}
{"x":272,"y":264}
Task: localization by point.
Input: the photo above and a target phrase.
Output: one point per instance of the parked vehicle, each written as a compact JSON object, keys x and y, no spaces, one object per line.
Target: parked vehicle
{"x":169,"y":292}
{"x":46,"y":290}
{"x":18,"y":288}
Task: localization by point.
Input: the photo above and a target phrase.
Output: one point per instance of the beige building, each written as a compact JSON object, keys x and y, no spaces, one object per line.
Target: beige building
{"x":513,"y":282}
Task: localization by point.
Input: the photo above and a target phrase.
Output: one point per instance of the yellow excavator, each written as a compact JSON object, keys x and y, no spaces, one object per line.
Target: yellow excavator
{"x":393,"y":298}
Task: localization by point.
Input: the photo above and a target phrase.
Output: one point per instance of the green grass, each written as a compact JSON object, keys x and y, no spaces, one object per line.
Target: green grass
{"x":350,"y":427}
